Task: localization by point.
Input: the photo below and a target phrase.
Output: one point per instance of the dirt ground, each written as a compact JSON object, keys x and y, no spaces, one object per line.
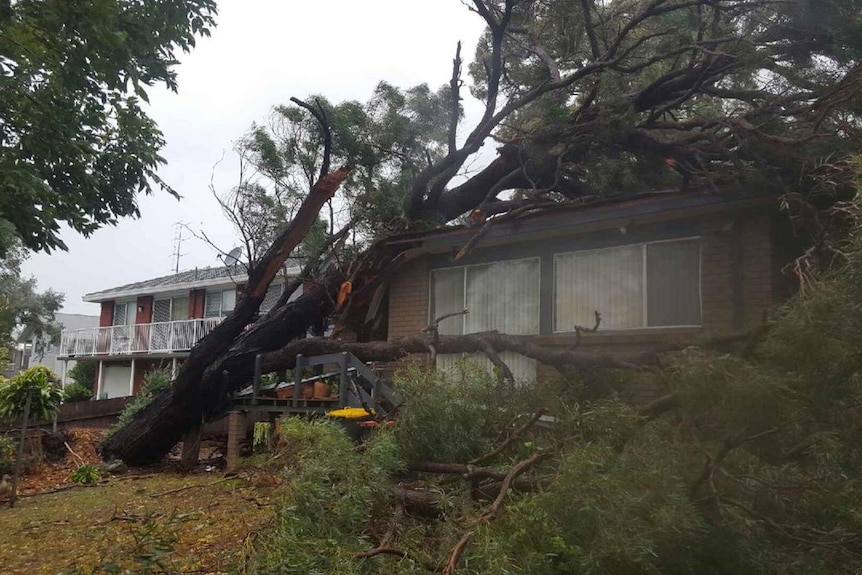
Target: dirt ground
{"x":143,"y":521}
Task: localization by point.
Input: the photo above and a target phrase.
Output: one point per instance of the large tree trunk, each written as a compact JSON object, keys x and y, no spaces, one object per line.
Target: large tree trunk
{"x":199,"y":392}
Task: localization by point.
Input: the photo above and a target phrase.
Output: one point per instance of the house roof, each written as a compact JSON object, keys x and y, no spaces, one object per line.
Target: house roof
{"x":588,"y":215}
{"x":189,"y":279}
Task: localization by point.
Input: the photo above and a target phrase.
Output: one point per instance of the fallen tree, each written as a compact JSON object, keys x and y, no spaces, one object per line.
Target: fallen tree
{"x":653,"y":94}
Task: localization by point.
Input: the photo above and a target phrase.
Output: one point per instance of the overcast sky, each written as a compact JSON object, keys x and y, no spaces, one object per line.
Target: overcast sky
{"x":261,"y":53}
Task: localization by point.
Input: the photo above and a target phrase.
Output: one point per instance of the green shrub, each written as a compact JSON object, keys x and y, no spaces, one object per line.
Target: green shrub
{"x":44,"y":400}
{"x":331,"y":493}
{"x":86,"y":475}
{"x":453,"y":421}
{"x":155,"y":382}
{"x":7,"y":455}
{"x":84,"y":374}
{"x":75,"y":392}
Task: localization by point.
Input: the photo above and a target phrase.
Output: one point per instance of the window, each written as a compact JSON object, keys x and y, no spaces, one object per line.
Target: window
{"x":171,"y":309}
{"x":636,"y":286}
{"x":124,"y":314}
{"x":220,"y":303}
{"x":271,"y":297}
{"x":501,"y":296}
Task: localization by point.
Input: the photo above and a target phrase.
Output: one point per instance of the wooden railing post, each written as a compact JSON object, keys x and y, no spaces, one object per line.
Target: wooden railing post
{"x":255,"y":384}
{"x":342,"y":389}
{"x":297,"y":378}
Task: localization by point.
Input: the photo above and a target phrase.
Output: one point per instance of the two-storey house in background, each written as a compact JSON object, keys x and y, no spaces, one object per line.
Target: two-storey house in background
{"x":154,"y":323}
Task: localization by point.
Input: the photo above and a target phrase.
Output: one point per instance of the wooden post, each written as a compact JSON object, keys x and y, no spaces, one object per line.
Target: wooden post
{"x":342,"y":389}
{"x":14,"y":494}
{"x":297,"y":379}
{"x":255,"y":383}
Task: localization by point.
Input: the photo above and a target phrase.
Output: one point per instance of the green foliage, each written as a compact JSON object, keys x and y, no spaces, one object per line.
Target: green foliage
{"x":151,"y":550}
{"x":21,"y":304}
{"x":75,"y":392}
{"x":7,"y":455}
{"x":262,"y":434}
{"x":86,"y":475}
{"x":155,"y":382}
{"x":84,"y":374}
{"x":75,"y":143}
{"x":45,"y":397}
{"x":447,"y":421}
{"x":387,"y":139}
{"x":819,"y":44}
{"x":333,"y":491}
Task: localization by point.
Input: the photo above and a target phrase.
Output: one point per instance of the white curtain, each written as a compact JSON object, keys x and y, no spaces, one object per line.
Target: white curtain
{"x":502,"y":296}
{"x":447,"y":296}
{"x":609,"y":281}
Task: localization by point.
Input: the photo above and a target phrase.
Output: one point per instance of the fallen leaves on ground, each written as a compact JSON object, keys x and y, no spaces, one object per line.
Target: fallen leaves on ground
{"x":157,"y":522}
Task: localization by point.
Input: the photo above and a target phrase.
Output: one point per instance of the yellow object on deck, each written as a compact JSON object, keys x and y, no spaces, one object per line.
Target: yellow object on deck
{"x":351,"y":413}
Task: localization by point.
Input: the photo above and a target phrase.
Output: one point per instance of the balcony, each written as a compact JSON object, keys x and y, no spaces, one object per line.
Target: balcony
{"x":163,"y":337}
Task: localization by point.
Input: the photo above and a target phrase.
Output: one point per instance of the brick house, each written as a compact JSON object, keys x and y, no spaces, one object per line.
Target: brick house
{"x":660,"y":268}
{"x":154,"y":323}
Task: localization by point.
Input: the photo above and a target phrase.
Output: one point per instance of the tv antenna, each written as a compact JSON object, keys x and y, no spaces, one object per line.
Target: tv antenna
{"x":178,"y":242}
{"x":232,"y":257}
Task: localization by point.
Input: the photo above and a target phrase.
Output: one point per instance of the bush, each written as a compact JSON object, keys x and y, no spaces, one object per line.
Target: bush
{"x":75,"y":392}
{"x":454,"y":421}
{"x":84,"y":374}
{"x":7,"y":455}
{"x":331,"y":493}
{"x":154,"y":383}
{"x":86,"y":475}
{"x":44,"y":401}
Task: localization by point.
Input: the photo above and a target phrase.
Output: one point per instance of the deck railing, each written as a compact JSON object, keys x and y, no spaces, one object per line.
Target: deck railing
{"x":162,"y":337}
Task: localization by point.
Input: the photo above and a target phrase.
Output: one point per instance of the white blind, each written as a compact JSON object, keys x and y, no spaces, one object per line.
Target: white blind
{"x":644,"y":285}
{"x":179,"y":308}
{"x":228,"y":301}
{"x":447,"y":296}
{"x":502,"y":296}
{"x":609,"y":281}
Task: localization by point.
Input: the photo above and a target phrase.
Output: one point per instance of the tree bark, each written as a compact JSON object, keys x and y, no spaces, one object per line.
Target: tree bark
{"x":471,"y":343}
{"x":199,"y":391}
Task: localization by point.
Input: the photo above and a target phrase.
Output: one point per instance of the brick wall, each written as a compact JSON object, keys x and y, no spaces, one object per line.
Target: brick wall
{"x":106,"y":315}
{"x":736,"y":279}
{"x":717,"y":265}
{"x":144,"y":309}
{"x":757,"y":269}
{"x":197,"y":303}
{"x":408,"y":300}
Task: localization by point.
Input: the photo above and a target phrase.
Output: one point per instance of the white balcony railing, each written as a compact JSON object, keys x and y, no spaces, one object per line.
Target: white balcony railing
{"x":163,"y":337}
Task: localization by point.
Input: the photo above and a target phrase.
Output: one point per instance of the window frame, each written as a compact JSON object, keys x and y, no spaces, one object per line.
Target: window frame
{"x":644,"y":279}
{"x":464,"y":268}
{"x":221,"y":309}
{"x":130,"y":310}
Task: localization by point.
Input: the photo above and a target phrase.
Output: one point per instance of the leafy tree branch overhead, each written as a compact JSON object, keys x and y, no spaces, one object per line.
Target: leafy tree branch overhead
{"x":76,"y":145}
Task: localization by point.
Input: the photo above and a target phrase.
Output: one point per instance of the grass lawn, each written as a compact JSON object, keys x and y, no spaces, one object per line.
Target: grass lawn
{"x":132,"y":525}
